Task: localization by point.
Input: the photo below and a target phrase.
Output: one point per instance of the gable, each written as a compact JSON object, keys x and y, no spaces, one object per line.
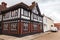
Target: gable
{"x":35,"y":9}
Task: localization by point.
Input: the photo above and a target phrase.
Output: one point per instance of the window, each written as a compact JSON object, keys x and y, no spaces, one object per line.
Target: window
{"x":25,"y":27}
{"x":14,"y":26}
{"x":0,"y":17}
{"x":26,"y":13}
{"x":40,"y":18}
{"x":5,"y":26}
{"x":35,"y":26}
{"x":6,"y":15}
{"x":41,"y":26}
{"x":35,"y":17}
{"x":51,"y":25}
{"x":14,"y":13}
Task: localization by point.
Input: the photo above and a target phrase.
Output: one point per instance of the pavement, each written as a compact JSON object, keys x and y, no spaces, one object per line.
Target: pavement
{"x":38,"y":36}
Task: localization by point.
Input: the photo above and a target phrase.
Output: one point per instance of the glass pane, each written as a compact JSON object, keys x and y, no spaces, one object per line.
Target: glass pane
{"x":26,"y":13}
{"x":35,"y":26}
{"x":6,"y":15}
{"x":25,"y":27}
{"x":5,"y":26}
{"x":14,"y":13}
{"x":35,"y":17}
{"x":14,"y":26}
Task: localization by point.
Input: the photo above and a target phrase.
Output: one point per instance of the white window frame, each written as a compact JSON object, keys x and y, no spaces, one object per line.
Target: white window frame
{"x":35,"y":26}
{"x":14,"y":26}
{"x":14,"y":14}
{"x":5,"y":26}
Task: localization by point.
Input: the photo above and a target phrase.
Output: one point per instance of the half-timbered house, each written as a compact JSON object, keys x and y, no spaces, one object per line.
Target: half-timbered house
{"x":22,"y":19}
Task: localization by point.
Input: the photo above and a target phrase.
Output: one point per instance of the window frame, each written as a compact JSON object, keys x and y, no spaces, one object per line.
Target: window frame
{"x":6,"y":15}
{"x":4,"y":27}
{"x":28,"y":14}
{"x":14,"y":14}
{"x":40,"y":18}
{"x":35,"y":16}
{"x":24,"y":26}
{"x":14,"y":26}
{"x":35,"y":27}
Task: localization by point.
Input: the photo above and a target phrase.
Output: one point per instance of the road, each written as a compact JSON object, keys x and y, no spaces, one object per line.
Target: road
{"x":39,"y":36}
{"x":49,"y":36}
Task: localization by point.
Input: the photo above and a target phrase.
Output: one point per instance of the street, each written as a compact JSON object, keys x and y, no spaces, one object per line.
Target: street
{"x":39,"y":36}
{"x":49,"y":36}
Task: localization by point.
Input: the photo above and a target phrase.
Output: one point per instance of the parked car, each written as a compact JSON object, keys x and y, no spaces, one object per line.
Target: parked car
{"x":54,"y":29}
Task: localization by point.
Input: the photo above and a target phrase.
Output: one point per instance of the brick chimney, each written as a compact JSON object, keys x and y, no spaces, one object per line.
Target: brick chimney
{"x":4,"y":5}
{"x":33,"y":3}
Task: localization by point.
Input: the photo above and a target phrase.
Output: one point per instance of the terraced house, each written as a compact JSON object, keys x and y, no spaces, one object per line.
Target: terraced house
{"x":22,"y":19}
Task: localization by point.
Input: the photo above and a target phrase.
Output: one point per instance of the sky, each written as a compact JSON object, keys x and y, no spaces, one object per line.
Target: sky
{"x":50,"y":8}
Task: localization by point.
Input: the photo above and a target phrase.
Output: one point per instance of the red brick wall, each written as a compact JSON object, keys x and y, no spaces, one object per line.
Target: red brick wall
{"x":57,"y":25}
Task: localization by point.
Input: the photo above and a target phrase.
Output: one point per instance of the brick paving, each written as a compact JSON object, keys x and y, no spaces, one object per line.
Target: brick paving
{"x":39,"y":36}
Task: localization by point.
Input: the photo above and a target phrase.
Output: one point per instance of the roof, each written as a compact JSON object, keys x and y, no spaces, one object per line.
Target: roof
{"x":22,"y":5}
{"x":14,"y":7}
{"x":33,"y":5}
{"x":48,"y":17}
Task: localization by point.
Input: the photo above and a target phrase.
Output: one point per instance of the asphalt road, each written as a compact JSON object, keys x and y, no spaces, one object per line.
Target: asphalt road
{"x":39,"y":36}
{"x":49,"y":36}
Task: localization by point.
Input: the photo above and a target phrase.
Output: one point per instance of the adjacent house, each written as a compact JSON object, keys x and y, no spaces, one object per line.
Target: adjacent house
{"x":22,"y":19}
{"x":47,"y":23}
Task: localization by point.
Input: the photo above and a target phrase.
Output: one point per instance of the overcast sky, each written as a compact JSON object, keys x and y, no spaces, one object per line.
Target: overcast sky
{"x":50,"y":8}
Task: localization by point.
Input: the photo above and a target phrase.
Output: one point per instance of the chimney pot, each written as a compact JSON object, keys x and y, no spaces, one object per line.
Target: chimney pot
{"x":33,"y":2}
{"x":4,"y":3}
